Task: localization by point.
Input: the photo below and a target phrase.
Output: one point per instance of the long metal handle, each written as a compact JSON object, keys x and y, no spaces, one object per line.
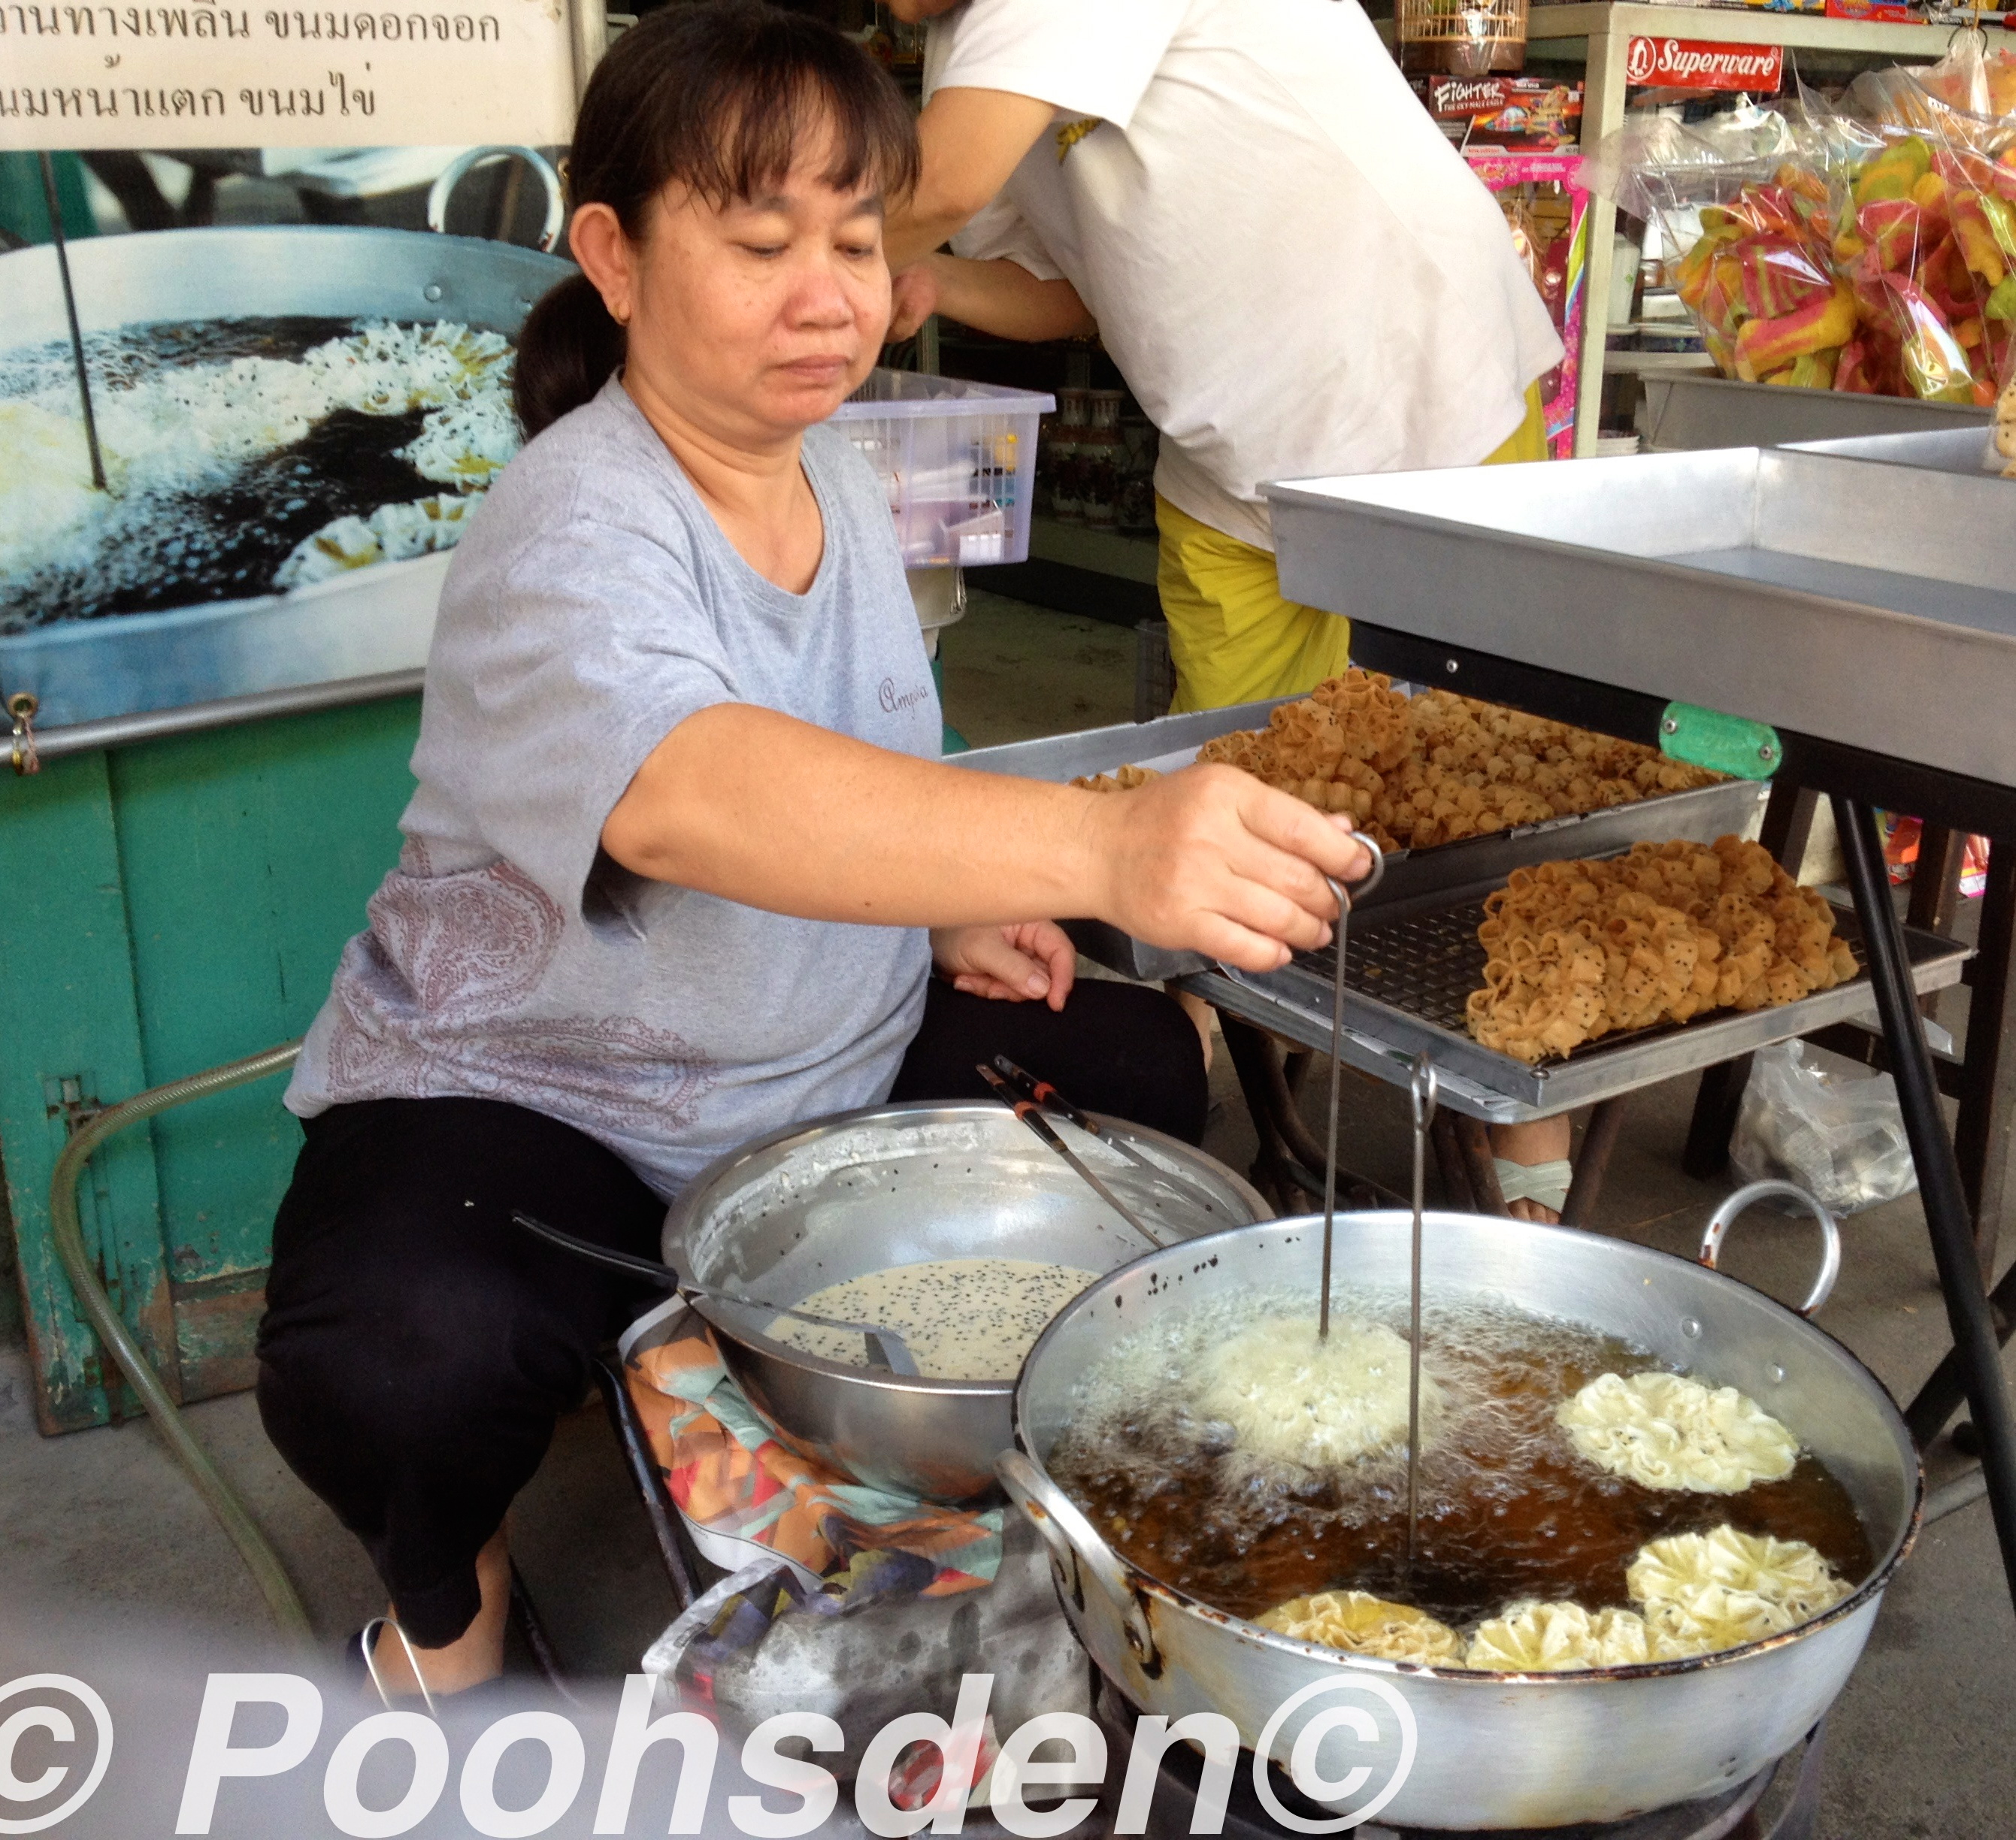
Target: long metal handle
{"x":1366,"y":884}
{"x":1421,"y":1097}
{"x":1076,"y":1548}
{"x":885,"y":1348}
{"x":465,"y":162}
{"x":650,"y":1270}
{"x":1030,"y":1113}
{"x":1721,"y":1220}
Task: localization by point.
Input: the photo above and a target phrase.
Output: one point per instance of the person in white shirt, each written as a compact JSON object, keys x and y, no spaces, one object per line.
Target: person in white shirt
{"x":1295,"y":272}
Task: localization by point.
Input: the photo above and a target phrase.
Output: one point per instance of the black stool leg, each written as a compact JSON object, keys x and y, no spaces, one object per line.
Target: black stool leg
{"x":1948,"y":1219}
{"x":1592,"y":1163}
{"x":643,"y":1469}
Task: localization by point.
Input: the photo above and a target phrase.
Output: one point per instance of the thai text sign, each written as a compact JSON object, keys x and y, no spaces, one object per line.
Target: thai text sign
{"x":1687,"y":63}
{"x":199,"y":74}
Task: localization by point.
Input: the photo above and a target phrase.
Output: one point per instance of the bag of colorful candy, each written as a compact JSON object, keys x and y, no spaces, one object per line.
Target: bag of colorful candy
{"x":1866,"y":247}
{"x":1957,"y":121}
{"x":1745,"y":202}
{"x":1923,"y":167}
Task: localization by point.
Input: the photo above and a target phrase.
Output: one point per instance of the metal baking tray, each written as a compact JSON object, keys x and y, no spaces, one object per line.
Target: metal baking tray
{"x":1699,"y":816}
{"x":1410,"y":971}
{"x":1686,"y":413}
{"x":1967,"y":451}
{"x":1822,"y":592}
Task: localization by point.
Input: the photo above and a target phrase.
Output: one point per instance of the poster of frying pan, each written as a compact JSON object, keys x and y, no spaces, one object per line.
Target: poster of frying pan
{"x":253,"y":390}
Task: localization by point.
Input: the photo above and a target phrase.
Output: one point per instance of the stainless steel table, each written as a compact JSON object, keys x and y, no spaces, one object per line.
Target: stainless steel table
{"x":1864,"y":610}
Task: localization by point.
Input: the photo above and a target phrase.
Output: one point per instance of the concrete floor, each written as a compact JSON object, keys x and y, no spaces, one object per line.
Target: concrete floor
{"x":1922,"y":1744}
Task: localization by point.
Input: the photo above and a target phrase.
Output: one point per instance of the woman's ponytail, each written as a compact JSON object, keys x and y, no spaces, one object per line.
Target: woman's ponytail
{"x":568,"y":349}
{"x":718,"y":96}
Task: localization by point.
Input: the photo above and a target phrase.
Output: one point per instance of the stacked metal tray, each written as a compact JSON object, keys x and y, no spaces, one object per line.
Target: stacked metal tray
{"x":1481,"y":862}
{"x":1410,"y":972}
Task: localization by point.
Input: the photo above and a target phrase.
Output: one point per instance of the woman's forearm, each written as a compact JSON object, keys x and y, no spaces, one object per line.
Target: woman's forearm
{"x":756,"y":807}
{"x":1003,"y":298}
{"x":747,"y":803}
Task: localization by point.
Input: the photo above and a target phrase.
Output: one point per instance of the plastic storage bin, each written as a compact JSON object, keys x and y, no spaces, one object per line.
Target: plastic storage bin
{"x":958,"y":460}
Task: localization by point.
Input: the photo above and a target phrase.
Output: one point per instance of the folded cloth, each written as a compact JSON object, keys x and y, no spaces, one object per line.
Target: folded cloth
{"x":1546,"y":1184}
{"x":731,"y":1479}
{"x":828,"y":1602}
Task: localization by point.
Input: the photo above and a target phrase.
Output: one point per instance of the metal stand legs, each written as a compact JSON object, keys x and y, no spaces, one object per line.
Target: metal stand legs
{"x":1947,"y":1216}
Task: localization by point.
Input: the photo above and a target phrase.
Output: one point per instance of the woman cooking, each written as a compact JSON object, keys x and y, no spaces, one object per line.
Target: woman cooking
{"x":682,"y":858}
{"x":1294,"y":271}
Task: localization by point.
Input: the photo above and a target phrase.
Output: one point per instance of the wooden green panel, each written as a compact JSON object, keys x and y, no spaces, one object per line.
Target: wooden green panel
{"x":70,"y":1032}
{"x":248,"y":854}
{"x":172,"y":906}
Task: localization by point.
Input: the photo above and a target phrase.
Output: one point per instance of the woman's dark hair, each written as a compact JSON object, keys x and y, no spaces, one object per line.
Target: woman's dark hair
{"x":718,"y":96}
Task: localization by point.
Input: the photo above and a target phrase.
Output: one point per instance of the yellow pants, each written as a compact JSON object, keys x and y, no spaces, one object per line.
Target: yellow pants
{"x":1232,"y":638}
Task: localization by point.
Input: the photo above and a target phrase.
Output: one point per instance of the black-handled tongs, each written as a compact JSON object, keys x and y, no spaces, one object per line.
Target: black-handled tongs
{"x":1030,"y":1112}
{"x":1041,"y":1093}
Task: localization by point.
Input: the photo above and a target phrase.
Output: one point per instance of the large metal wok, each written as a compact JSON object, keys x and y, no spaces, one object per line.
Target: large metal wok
{"x":1488,"y":1751}
{"x":378,"y":619}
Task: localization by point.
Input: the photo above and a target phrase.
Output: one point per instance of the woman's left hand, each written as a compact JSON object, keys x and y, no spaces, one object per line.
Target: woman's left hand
{"x":1018,"y":963}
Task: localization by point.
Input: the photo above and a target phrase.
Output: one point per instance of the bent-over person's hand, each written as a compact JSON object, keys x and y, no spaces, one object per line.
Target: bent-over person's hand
{"x":1212,"y":860}
{"x":914,"y":298}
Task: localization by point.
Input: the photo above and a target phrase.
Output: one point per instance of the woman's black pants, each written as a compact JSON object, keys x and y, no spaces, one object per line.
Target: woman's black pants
{"x":417,"y":1348}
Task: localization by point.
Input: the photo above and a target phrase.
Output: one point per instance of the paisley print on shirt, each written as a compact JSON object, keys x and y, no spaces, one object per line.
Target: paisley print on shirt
{"x":428,"y":996}
{"x":467,"y":946}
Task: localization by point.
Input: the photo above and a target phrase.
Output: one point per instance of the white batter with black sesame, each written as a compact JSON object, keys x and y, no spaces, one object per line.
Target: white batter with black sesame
{"x":964,"y":1319}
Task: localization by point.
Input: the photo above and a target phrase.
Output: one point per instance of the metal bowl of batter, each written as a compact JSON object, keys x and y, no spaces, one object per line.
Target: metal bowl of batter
{"x":790,"y":1213}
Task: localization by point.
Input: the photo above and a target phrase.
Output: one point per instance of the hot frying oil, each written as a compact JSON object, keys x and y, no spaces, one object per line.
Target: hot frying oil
{"x":1508,"y":1510}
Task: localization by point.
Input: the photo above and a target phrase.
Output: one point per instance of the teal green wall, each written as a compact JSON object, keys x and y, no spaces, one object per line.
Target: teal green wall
{"x":168,"y":907}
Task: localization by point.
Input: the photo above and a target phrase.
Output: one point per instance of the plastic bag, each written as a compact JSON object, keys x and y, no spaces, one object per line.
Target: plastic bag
{"x":1745,"y":200}
{"x":1931,"y":229}
{"x":1870,"y":247}
{"x":1840,"y":1136}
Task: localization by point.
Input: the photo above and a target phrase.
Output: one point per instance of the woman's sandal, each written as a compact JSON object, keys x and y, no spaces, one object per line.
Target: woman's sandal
{"x":1545,"y":1184}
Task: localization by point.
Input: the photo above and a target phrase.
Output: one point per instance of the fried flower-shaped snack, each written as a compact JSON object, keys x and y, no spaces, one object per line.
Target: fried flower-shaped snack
{"x":1291,"y":1397}
{"x":1362,"y":1624}
{"x":1120,"y":779}
{"x":1702,"y":1592}
{"x":1578,"y":950}
{"x":1667,"y":1431}
{"x":1535,"y":1638}
{"x":1434,"y":769}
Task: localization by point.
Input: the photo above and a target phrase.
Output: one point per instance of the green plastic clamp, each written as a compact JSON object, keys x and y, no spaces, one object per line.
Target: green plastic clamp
{"x":1730,"y":744}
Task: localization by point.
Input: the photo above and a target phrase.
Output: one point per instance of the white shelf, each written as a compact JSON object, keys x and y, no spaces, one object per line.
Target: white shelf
{"x":1730,"y":25}
{"x":1645,"y":363}
{"x":1608,"y":31}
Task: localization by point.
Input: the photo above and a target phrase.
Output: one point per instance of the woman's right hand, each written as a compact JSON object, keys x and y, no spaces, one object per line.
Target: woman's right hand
{"x":1212,"y":860}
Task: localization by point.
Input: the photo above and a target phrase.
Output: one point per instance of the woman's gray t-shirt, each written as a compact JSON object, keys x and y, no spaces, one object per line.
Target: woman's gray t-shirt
{"x":593,"y":606}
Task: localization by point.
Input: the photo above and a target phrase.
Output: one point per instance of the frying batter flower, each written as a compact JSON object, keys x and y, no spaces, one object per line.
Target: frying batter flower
{"x":1702,"y":1592}
{"x":1291,"y":1396}
{"x":1667,"y":1431}
{"x":1362,"y":1624}
{"x":1535,"y":1638}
